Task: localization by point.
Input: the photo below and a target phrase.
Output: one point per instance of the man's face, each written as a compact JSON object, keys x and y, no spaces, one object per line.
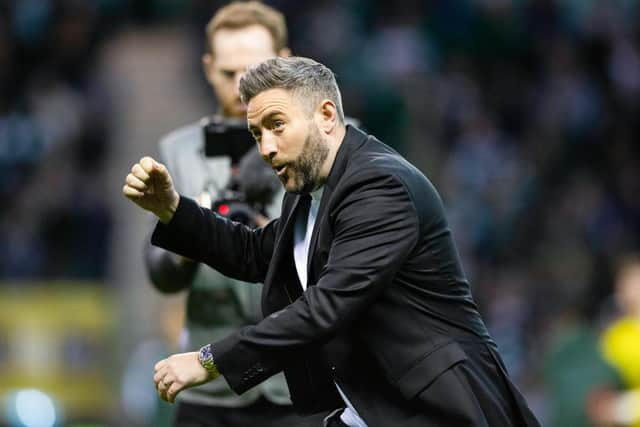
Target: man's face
{"x":288,"y":139}
{"x":234,"y":50}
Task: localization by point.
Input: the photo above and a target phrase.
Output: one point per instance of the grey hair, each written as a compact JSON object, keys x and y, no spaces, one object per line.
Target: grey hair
{"x":309,"y":80}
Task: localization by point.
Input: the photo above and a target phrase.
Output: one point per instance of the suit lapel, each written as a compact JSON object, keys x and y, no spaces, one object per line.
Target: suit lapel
{"x":352,"y":140}
{"x":283,"y":248}
{"x":326,"y":195}
{"x":284,"y":240}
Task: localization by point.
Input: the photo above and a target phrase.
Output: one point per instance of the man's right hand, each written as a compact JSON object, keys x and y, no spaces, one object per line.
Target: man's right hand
{"x":149,"y":186}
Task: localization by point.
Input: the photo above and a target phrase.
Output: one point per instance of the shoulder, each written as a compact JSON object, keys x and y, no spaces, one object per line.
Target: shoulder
{"x":375,"y":157}
{"x":375,"y":161}
{"x":376,"y":165}
{"x":372,"y":175}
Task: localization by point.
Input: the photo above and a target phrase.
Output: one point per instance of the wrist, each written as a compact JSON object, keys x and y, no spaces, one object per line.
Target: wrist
{"x":166,"y":215}
{"x":205,"y":357}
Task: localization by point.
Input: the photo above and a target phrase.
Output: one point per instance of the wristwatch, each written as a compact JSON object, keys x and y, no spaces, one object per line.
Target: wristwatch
{"x":205,"y":356}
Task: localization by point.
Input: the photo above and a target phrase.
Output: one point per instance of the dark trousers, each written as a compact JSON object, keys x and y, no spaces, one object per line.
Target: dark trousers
{"x":261,"y":413}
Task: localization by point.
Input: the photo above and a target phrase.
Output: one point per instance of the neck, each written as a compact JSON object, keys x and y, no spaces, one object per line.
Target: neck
{"x":334,"y":141}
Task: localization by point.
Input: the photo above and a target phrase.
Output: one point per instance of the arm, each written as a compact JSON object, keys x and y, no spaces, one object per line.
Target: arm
{"x":233,"y":249}
{"x":375,"y":229}
{"x":168,"y":272}
{"x":197,"y":233}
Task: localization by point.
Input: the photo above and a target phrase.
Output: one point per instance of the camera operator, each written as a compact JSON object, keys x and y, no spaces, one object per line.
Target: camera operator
{"x":215,"y":161}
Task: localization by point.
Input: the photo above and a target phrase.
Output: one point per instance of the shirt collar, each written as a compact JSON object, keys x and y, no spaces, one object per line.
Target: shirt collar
{"x":316,"y":195}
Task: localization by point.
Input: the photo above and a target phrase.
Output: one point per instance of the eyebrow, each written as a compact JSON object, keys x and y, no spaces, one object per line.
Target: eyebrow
{"x":265,"y":119}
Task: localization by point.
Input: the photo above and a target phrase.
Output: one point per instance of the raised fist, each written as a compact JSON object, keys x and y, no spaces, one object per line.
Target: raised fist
{"x":149,"y":186}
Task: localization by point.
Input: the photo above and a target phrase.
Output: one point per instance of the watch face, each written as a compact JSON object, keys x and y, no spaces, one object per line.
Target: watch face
{"x":205,"y":356}
{"x":205,"y":353}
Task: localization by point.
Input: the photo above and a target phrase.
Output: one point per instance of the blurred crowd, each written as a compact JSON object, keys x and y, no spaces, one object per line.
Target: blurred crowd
{"x":524,"y":113}
{"x":54,"y":135}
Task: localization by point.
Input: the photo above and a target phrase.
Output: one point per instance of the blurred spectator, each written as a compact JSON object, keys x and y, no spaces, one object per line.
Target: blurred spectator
{"x":621,"y":347}
{"x":576,"y":375}
{"x":55,"y":121}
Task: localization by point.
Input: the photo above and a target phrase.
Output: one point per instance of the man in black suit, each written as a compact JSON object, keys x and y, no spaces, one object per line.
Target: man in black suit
{"x":367,"y":307}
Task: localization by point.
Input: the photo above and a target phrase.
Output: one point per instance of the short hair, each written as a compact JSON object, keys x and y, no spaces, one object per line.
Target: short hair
{"x":241,"y":14}
{"x":311,"y":81}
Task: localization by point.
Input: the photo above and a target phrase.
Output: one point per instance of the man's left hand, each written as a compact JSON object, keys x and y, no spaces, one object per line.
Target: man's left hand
{"x":178,"y":372}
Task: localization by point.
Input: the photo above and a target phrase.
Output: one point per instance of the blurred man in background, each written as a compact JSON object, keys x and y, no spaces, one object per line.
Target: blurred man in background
{"x":576,"y":375}
{"x":214,"y":161}
{"x":621,"y":347}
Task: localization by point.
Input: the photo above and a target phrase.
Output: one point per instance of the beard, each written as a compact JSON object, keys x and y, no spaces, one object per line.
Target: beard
{"x":305,"y":170}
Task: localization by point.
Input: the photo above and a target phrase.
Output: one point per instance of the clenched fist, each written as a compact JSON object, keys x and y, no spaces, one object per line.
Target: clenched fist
{"x":177,"y":373}
{"x":149,"y":186}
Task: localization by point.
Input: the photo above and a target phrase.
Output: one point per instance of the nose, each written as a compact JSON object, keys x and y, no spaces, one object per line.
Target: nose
{"x":268,"y":146}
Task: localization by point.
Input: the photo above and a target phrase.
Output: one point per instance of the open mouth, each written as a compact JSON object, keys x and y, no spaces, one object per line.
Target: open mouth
{"x":280,"y":170}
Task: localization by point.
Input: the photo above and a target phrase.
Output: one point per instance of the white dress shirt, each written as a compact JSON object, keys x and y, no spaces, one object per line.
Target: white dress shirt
{"x":303,"y":228}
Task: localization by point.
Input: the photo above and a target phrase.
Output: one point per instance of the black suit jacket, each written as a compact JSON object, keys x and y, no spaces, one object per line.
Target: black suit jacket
{"x":387,"y":312}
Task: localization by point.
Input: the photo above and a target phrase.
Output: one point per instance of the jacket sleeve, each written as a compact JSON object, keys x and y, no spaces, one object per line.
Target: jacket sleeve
{"x":375,"y":229}
{"x":235,"y":250}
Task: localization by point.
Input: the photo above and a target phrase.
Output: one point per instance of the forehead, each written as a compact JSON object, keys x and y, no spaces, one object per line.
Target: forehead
{"x":272,"y":101}
{"x":237,"y":48}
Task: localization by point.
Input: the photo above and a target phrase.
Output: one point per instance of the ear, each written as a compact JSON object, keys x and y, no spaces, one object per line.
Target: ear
{"x":285,"y":52}
{"x":327,"y":116}
{"x":207,"y":66}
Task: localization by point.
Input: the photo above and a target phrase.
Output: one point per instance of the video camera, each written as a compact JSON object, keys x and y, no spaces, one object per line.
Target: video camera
{"x":253,"y":184}
{"x":226,"y":137}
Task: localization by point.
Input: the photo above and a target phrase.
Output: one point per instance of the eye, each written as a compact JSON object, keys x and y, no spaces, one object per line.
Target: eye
{"x":229,"y":74}
{"x":278,"y":125}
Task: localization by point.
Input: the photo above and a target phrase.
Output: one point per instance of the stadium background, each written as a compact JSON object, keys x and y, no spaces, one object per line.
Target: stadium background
{"x":523,"y":113}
